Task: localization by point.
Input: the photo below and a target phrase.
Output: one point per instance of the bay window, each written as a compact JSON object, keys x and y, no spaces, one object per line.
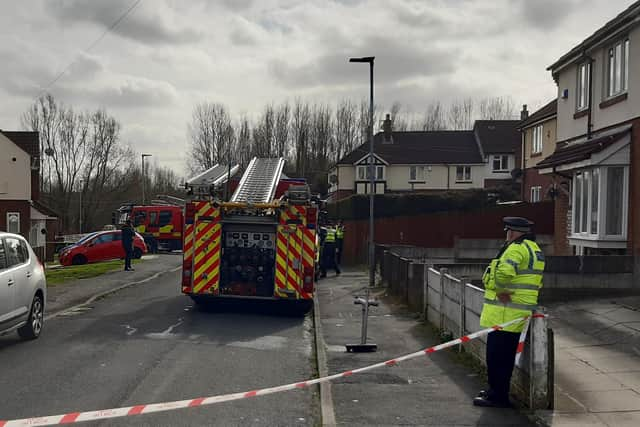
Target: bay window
{"x":363,"y":173}
{"x":600,"y":203}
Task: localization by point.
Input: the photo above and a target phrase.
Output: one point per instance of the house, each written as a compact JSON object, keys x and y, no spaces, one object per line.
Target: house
{"x":430,"y":161}
{"x":500,"y":142}
{"x":538,"y":142}
{"x":20,"y":209}
{"x":598,"y":134}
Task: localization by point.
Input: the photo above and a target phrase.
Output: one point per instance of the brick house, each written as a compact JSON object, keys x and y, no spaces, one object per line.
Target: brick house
{"x":538,"y":142}
{"x":598,"y":134}
{"x":20,"y":209}
{"x":430,"y":161}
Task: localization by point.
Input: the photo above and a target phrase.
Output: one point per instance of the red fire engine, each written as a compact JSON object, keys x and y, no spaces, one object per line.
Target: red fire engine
{"x":254,"y":246}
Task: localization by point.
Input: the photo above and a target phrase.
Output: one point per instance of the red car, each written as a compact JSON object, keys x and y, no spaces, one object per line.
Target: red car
{"x":101,"y":246}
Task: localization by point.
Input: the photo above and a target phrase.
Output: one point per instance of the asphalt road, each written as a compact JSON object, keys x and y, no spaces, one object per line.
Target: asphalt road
{"x":150,"y":344}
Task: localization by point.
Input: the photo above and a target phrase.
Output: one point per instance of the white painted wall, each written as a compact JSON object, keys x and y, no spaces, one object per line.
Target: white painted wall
{"x":15,"y":176}
{"x":568,"y":127}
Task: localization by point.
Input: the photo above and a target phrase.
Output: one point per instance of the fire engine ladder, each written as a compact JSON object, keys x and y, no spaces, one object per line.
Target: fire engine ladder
{"x":260,"y":180}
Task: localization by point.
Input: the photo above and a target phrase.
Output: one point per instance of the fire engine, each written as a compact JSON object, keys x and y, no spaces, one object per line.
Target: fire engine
{"x":254,"y":246}
{"x":160,"y":223}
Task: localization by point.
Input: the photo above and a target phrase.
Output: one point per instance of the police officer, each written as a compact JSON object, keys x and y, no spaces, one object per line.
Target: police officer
{"x":512,"y":282}
{"x":127,"y":244}
{"x":339,"y":241}
{"x":329,"y":253}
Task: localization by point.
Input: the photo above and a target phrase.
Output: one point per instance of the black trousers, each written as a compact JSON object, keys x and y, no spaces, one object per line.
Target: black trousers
{"x":501,"y":356}
{"x":339,"y":243}
{"x":329,"y":259}
{"x":128,"y":254}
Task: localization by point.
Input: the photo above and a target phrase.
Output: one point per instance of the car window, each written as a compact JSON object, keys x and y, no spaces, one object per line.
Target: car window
{"x":117,"y":236}
{"x":3,"y":256}
{"x":153,"y":218}
{"x":87,"y":237}
{"x":165,"y":218}
{"x":104,"y":238}
{"x":16,"y":251}
{"x":139,"y":218}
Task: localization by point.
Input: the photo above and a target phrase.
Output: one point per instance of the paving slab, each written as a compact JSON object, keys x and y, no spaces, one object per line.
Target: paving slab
{"x":609,"y":401}
{"x":621,"y":419}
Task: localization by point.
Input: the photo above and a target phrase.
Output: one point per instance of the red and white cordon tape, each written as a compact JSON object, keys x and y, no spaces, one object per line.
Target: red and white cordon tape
{"x":76,"y":417}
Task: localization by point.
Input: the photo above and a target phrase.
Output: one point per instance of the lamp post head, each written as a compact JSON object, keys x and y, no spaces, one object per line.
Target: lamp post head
{"x":368,"y":59}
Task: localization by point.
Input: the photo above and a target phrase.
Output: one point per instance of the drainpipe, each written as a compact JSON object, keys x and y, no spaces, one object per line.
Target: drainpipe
{"x":590,"y":89}
{"x":448,"y":177}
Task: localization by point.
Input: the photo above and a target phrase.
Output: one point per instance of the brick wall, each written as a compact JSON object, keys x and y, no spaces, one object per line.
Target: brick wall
{"x":562,"y":225}
{"x":532,"y":178}
{"x":21,"y":206}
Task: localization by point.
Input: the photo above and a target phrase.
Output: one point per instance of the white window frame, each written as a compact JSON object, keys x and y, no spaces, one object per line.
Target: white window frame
{"x":582,"y":90}
{"x":536,"y":140}
{"x":503,"y":159}
{"x":616,"y":60}
{"x":536,"y":191}
{"x":582,"y":205}
{"x":9,"y":215}
{"x":466,"y":174}
{"x":417,"y":173}
{"x":363,"y":170}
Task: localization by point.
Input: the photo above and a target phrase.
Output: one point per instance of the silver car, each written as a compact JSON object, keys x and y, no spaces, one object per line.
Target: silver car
{"x":23,"y":288}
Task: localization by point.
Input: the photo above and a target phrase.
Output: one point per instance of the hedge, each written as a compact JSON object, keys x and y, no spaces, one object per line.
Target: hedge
{"x":390,"y":205}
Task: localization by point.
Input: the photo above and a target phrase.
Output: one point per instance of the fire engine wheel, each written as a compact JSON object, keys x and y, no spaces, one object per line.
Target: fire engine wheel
{"x":137,"y":253}
{"x":79,"y":260}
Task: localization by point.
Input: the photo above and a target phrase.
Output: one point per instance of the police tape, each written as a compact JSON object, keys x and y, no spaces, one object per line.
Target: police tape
{"x":76,"y":417}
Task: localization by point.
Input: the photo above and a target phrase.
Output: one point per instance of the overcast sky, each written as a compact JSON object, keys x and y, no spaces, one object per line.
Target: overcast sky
{"x":168,"y":55}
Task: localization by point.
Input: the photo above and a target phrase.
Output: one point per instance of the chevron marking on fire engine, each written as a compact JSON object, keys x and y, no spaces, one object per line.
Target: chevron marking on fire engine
{"x":76,"y":417}
{"x":207,"y":257}
{"x":308,"y":248}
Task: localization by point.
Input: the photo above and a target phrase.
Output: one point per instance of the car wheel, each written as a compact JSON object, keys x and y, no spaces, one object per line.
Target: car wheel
{"x":137,"y":253}
{"x":34,"y":325}
{"x":79,"y":260}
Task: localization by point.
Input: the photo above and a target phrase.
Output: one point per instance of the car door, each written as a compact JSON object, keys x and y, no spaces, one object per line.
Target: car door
{"x":111,"y":245}
{"x":118,"y":250}
{"x":17,"y":269}
{"x":6,"y":289}
{"x":25,"y":278}
{"x":93,"y":249}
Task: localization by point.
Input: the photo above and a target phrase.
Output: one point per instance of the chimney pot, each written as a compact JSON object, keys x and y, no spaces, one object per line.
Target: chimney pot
{"x":524,"y":113}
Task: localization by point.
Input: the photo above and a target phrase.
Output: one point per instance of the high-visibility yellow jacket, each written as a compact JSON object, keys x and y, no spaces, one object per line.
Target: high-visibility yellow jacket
{"x":518,"y":271}
{"x":340,"y":233}
{"x":331,"y":236}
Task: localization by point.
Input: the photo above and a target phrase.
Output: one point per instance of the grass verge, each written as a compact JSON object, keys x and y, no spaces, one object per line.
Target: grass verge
{"x":75,"y":272}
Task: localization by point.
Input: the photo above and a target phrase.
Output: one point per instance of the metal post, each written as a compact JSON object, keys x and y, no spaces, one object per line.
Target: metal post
{"x":80,"y":209}
{"x":143,"y":176}
{"x":443,"y":273}
{"x":363,"y":346}
{"x":463,"y":309}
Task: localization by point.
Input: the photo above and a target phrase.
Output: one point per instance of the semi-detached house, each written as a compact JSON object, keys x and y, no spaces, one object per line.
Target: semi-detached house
{"x":598,"y":139}
{"x":431,"y":161}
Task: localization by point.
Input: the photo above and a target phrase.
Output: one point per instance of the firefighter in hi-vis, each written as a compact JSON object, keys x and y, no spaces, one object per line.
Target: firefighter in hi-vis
{"x":512,"y":282}
{"x":329,"y":260}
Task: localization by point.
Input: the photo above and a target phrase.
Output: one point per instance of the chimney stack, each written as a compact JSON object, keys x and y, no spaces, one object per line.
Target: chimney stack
{"x":524,"y":113}
{"x":387,"y":128}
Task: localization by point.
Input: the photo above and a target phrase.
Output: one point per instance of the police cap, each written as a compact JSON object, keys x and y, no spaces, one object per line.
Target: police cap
{"x":517,"y":223}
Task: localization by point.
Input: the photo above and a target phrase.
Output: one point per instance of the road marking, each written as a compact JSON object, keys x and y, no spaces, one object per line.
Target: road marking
{"x":166,"y":334}
{"x":269,"y":342}
{"x":130,"y":330}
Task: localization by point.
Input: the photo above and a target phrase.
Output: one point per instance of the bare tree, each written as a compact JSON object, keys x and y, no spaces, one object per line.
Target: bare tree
{"x":243,"y":150}
{"x":281,"y":134}
{"x":497,"y":108}
{"x":211,"y":136}
{"x":301,"y":132}
{"x":347,"y":132}
{"x":460,"y":114}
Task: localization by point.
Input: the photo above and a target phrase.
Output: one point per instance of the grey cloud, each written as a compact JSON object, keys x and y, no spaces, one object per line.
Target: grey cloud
{"x":147,"y":26}
{"x":394,"y":61}
{"x":129,"y":93}
{"x":548,"y":14}
{"x":237,"y":5}
{"x":244,"y":33}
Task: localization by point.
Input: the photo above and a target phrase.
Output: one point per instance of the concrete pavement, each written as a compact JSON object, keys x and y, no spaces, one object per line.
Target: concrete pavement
{"x":434,"y":390}
{"x":597,"y":363}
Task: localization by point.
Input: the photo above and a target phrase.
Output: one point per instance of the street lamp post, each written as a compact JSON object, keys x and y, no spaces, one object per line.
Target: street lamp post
{"x":80,"y":207}
{"x":144,"y":176}
{"x":363,"y":346}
